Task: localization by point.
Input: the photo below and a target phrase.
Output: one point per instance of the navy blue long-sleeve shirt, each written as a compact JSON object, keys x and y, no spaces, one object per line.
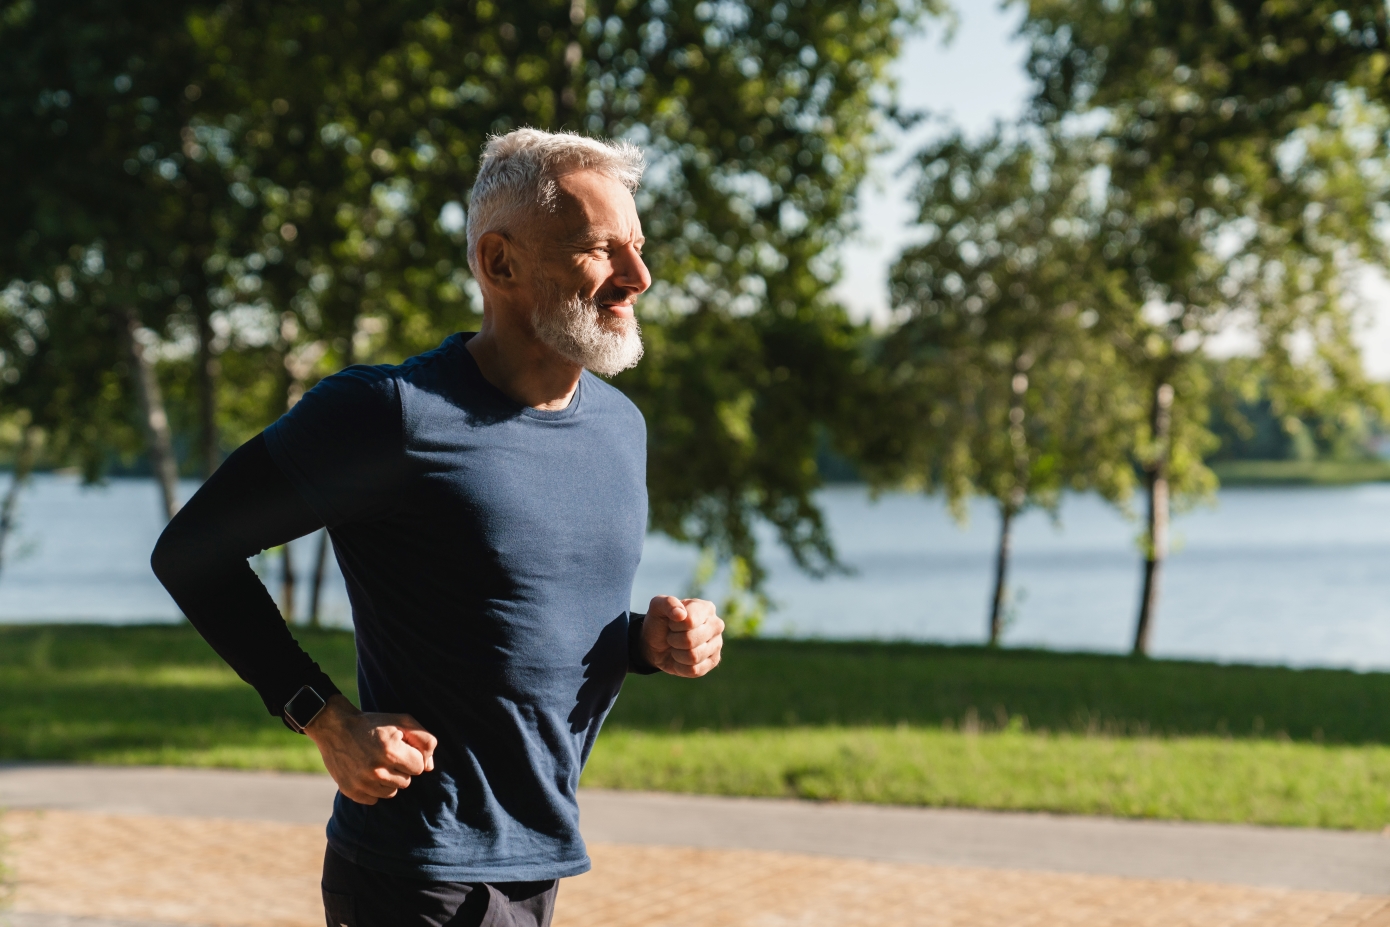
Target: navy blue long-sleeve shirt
{"x":489,"y":550}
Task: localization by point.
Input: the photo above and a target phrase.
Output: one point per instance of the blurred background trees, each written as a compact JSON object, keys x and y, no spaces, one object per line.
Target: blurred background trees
{"x":1000,"y":386}
{"x":251,"y":195}
{"x":210,"y":206}
{"x":1244,"y":171}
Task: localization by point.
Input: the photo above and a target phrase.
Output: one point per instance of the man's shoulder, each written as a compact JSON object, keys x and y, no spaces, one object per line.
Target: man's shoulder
{"x":447,"y":378}
{"x":364,"y":380}
{"x":426,"y":367}
{"x":358,"y":395}
{"x":611,"y":401}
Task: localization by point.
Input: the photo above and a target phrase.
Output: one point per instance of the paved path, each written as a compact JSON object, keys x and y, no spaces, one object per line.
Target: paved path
{"x":1265,"y":856}
{"x":1287,"y":858}
{"x":132,"y":847}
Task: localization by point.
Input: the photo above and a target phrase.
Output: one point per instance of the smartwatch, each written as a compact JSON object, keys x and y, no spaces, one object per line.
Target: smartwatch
{"x":301,"y":710}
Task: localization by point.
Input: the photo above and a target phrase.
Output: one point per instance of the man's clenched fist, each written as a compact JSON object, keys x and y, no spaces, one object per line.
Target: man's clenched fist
{"x":370,"y":755}
{"x":683,"y":637}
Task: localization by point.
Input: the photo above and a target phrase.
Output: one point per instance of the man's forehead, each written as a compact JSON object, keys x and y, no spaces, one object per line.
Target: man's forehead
{"x":590,"y":205}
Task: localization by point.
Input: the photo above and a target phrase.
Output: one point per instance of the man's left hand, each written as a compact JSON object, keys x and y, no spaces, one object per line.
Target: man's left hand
{"x":683,"y":637}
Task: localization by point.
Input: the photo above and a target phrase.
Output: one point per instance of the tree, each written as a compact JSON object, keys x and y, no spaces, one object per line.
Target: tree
{"x":1251,"y":428}
{"x":759,"y":120}
{"x":1230,"y":197}
{"x":1000,"y":386}
{"x":276,"y":189}
{"x":98,"y":204}
{"x":26,"y":448}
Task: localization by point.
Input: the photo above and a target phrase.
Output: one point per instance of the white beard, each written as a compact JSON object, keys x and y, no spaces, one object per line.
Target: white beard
{"x":576,"y":329}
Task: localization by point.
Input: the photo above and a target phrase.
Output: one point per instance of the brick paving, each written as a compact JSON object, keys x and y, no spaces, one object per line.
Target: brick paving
{"x":175,"y":871}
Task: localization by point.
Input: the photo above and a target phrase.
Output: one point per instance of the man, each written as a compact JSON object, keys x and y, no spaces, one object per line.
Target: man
{"x":487,"y":505}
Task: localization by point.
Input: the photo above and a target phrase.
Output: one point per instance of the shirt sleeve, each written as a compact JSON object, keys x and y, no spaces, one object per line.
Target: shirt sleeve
{"x":636,"y":663}
{"x":245,"y":507}
{"x":342,"y":446}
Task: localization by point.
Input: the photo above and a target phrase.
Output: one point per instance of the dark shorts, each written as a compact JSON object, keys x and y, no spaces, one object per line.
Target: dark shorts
{"x":357,"y":897}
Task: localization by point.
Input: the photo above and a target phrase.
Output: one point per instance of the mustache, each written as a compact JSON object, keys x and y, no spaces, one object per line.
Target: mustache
{"x":611,"y":295}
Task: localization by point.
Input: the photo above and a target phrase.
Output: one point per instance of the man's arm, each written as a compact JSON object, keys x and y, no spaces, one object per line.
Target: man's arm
{"x":247,"y":506}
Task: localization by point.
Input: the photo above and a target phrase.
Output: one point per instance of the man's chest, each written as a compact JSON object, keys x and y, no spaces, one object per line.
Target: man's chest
{"x":535,"y":505}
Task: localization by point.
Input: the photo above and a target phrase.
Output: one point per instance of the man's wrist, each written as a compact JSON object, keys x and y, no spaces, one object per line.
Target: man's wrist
{"x":331,"y":718}
{"x":637,"y":661}
{"x":307,"y":702}
{"x":302,"y":708}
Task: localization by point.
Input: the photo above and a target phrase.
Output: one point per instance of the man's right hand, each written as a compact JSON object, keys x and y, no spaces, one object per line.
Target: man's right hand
{"x":371,"y":755}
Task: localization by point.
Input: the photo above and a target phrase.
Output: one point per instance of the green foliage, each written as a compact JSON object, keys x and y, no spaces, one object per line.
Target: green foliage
{"x":1245,"y":419}
{"x":1186,"y":169}
{"x":1244,"y":151}
{"x":279,"y":190}
{"x":994,"y":380}
{"x":758,"y":122}
{"x":64,"y":371}
{"x":1207,"y":70}
{"x":744,"y":609}
{"x":1004,"y":389}
{"x":1245,"y":154}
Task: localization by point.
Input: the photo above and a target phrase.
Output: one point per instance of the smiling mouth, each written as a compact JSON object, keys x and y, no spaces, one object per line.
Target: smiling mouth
{"x":618,"y":307}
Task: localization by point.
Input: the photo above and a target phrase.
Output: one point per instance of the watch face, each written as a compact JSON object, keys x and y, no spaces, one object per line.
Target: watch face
{"x":304,"y":706}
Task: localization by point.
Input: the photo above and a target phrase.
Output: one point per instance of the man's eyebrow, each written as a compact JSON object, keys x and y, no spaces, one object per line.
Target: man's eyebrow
{"x":599,"y":236}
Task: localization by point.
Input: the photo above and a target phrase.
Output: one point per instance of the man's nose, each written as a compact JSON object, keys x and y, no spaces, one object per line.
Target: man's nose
{"x":630,"y":271}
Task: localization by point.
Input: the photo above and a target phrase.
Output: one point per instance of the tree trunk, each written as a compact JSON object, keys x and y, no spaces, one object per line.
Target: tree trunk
{"x":1156,"y":539}
{"x":287,"y":579}
{"x":208,"y":370}
{"x":1001,"y":570}
{"x":1017,"y":496}
{"x":316,"y":589}
{"x":23,"y":465}
{"x":153,"y":418}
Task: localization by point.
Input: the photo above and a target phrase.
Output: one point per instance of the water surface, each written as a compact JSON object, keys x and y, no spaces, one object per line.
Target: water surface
{"x":1288,"y":575}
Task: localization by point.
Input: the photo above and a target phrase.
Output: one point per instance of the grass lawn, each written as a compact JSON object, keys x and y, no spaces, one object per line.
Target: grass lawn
{"x":897,"y":723}
{"x":1301,"y":472}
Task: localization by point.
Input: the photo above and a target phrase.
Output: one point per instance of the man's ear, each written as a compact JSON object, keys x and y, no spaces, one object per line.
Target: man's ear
{"x":497,"y":261}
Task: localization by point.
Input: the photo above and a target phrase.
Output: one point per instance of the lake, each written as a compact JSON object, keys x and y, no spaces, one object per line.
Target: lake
{"x":1299,"y":576}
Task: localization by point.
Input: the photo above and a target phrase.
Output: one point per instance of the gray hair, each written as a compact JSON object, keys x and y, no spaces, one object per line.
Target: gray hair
{"x":519,"y":171}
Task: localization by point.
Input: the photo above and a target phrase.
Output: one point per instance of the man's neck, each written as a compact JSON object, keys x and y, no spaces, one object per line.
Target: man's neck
{"x":522,"y":367}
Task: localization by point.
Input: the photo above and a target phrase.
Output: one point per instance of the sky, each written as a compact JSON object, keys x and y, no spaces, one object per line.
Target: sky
{"x":974,"y":81}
